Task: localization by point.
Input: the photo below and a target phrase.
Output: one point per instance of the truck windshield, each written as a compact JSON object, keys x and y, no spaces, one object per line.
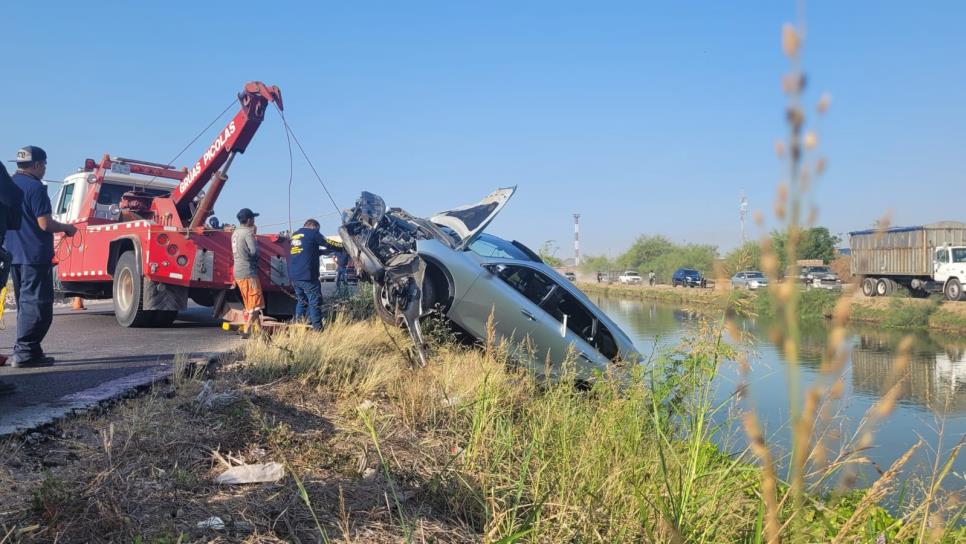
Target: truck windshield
{"x":959,"y":255}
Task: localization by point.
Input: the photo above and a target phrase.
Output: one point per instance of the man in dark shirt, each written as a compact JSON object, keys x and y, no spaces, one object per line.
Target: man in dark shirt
{"x":32,"y":249}
{"x":10,"y":202}
{"x":303,"y":269}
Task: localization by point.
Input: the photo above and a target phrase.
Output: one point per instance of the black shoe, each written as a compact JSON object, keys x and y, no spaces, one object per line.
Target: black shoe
{"x":41,"y":360}
{"x":7,"y":387}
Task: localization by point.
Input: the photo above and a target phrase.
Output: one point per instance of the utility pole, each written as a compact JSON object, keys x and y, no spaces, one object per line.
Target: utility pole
{"x":576,"y":239}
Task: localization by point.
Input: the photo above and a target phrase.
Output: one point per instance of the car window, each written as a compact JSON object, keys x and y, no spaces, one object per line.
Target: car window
{"x":487,"y":245}
{"x":532,"y":284}
{"x":111,"y":194}
{"x":959,"y":255}
{"x":942,"y":256}
{"x":65,"y":198}
{"x":581,"y":321}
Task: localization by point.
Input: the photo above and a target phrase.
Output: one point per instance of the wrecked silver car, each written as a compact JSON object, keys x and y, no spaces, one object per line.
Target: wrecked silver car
{"x":446,"y":263}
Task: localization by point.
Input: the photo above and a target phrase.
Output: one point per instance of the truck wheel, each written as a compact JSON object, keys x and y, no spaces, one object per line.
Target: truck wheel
{"x":127,"y":293}
{"x":883,"y":287}
{"x":868,"y":287}
{"x":953,"y":290}
{"x":163,"y":318}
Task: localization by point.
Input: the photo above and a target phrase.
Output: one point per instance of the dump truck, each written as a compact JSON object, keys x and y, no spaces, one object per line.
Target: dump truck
{"x":147,"y":236}
{"x":923,"y":259}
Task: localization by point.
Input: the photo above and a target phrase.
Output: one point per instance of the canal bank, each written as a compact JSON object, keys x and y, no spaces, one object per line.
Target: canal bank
{"x":891,"y":312}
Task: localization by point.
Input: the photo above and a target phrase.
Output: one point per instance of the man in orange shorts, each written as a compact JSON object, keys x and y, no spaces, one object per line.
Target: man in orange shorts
{"x":244,"y":249}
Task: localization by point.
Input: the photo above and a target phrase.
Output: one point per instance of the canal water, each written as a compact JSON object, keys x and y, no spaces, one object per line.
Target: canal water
{"x":931,"y":406}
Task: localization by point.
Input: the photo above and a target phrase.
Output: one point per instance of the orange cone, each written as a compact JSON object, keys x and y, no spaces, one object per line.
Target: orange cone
{"x":78,"y":304}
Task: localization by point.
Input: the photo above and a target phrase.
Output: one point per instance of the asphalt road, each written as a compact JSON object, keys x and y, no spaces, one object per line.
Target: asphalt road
{"x":97,"y":359}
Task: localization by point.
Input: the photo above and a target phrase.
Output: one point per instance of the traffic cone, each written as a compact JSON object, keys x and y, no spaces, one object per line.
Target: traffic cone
{"x":78,"y":304}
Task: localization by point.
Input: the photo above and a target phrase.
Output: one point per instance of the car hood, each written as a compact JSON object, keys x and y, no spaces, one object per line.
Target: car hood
{"x":470,"y":220}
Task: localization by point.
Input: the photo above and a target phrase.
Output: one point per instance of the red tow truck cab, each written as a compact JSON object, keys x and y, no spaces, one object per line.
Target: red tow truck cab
{"x":146,"y":236}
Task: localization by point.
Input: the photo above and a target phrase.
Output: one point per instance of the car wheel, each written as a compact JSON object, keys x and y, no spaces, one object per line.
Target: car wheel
{"x":953,"y":290}
{"x":384,"y":309}
{"x":868,"y":287}
{"x":127,"y":293}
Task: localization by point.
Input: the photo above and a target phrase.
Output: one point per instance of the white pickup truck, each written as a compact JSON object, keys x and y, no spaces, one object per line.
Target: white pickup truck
{"x":630,"y":276}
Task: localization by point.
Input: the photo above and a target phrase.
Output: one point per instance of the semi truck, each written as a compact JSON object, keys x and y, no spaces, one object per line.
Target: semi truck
{"x":147,"y":236}
{"x":923,"y":259}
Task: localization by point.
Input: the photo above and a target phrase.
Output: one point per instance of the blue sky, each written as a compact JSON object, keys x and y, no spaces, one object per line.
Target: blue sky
{"x":644,"y":117}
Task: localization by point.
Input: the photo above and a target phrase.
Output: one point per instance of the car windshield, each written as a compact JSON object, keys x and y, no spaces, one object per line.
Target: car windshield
{"x":821,"y":269}
{"x":631,"y":273}
{"x":959,"y":255}
{"x":689,"y":272}
{"x":487,"y":245}
{"x":755,"y":275}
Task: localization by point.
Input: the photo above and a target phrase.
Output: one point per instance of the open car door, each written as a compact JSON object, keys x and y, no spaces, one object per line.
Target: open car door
{"x":468,"y":221}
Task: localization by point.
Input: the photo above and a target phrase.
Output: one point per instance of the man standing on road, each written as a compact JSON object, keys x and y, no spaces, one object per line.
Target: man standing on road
{"x":32,"y":251}
{"x":303,"y":269}
{"x":10,"y":202}
{"x":244,"y":249}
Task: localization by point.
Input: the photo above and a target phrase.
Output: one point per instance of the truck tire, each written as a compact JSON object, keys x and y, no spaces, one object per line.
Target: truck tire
{"x":883,"y":287}
{"x":953,"y":290}
{"x":868,"y":287}
{"x":163,"y":318}
{"x":127,"y":293}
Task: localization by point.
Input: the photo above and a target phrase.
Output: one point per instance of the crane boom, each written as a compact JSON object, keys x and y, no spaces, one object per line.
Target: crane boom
{"x":234,"y":138}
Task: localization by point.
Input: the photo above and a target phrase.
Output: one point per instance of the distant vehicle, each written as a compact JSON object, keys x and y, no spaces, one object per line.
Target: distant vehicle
{"x":687,"y":277}
{"x":749,"y":279}
{"x":570,"y":276}
{"x":819,"y":277}
{"x":328,"y":268}
{"x":923,"y":259}
{"x":630,"y":276}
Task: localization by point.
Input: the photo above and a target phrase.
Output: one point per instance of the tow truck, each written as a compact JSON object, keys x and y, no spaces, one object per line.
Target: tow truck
{"x":147,"y":235}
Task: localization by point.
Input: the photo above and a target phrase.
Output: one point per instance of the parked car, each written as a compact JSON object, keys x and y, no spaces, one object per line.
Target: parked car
{"x":819,"y":277}
{"x":687,"y":277}
{"x":630,"y":276}
{"x":749,"y":279}
{"x":448,"y":264}
{"x":570,"y":276}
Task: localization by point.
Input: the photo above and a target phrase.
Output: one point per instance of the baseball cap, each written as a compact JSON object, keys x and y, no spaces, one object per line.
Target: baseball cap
{"x":245,"y":214}
{"x":30,"y":153}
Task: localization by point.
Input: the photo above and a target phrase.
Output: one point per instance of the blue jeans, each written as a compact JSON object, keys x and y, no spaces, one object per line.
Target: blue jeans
{"x":33,"y":285}
{"x":308,"y":302}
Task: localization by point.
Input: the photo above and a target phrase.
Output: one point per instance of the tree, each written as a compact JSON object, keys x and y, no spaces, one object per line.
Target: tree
{"x":743,"y":257}
{"x":547,"y":252}
{"x":599,"y":263}
{"x":644,"y":250}
{"x":818,"y":243}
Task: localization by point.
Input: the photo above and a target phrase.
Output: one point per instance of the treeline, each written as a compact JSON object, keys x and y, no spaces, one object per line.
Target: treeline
{"x":658,"y":254}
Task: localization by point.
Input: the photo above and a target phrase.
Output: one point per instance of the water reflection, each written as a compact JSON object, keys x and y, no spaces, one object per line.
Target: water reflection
{"x":934,"y":386}
{"x":936,"y":376}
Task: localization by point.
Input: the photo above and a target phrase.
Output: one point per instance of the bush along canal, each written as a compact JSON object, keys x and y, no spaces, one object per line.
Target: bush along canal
{"x":894,"y":312}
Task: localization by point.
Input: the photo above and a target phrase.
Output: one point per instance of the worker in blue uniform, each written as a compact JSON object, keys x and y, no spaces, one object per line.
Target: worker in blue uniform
{"x":303,"y":268}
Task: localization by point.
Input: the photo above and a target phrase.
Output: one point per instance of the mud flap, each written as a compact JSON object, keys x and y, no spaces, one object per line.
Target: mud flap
{"x":404,"y":281}
{"x":163,"y":296}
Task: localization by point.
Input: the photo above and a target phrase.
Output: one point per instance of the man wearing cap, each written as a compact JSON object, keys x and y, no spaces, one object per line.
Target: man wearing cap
{"x":32,"y":250}
{"x":303,"y":268}
{"x":244,"y":249}
{"x":10,"y":202}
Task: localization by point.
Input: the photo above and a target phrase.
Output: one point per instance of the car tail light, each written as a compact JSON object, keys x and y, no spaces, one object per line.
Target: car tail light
{"x":172,"y":249}
{"x":162,"y":239}
{"x":182,"y":260}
